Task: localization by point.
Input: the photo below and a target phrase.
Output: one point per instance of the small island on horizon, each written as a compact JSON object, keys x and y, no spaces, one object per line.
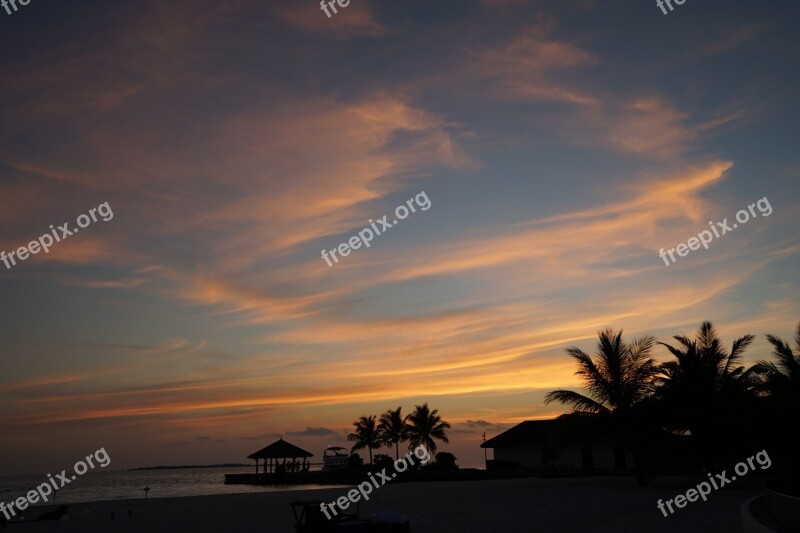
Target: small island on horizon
{"x":178,"y":467}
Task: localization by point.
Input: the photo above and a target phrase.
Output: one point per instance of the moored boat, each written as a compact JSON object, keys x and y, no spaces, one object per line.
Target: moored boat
{"x":334,"y":458}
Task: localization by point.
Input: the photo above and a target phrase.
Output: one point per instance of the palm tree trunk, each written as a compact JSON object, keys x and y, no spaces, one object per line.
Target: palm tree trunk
{"x":639,"y":467}
{"x":635,"y":442}
{"x":370,"y":454}
{"x":397,"y":450}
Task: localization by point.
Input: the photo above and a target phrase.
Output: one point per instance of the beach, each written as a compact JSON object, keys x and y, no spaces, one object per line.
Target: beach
{"x":599,"y":504}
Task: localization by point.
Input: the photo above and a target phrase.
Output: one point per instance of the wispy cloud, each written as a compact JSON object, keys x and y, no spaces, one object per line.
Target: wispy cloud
{"x":314,"y":432}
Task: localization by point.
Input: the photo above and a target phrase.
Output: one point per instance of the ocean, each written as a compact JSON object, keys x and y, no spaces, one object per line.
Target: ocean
{"x":122,"y":484}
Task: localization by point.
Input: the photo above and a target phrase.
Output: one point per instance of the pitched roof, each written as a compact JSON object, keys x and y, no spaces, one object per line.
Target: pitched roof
{"x":528,"y":433}
{"x":552,"y":433}
{"x":278,"y":450}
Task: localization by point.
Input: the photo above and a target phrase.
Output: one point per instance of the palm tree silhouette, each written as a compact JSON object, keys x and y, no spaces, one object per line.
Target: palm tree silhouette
{"x":366,"y":435}
{"x":622,"y":376}
{"x":617,"y":382}
{"x":424,"y":426}
{"x":782,"y":379}
{"x":394,"y":429}
{"x":705,"y":389}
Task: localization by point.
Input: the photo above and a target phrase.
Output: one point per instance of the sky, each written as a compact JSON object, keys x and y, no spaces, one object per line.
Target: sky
{"x":561,"y":145}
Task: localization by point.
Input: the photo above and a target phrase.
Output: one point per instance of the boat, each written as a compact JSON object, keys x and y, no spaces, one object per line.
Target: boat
{"x":334,"y":458}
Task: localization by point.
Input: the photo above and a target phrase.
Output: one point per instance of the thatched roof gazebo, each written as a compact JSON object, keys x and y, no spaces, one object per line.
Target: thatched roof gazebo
{"x":280,"y":449}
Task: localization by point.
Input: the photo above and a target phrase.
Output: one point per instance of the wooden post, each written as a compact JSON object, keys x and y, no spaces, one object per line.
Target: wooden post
{"x":485,"y":460}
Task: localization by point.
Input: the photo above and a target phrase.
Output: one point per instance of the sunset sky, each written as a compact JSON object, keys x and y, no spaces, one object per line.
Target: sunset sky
{"x":562,"y":144}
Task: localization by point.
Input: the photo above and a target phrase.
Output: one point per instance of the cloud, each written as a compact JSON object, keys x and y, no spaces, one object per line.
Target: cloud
{"x":127,"y":283}
{"x":477,"y":427}
{"x":480,"y":347}
{"x":527,"y":66}
{"x":713,"y":43}
{"x":314,"y":432}
{"x":262,"y":437}
{"x":649,"y":126}
{"x":229,"y":176}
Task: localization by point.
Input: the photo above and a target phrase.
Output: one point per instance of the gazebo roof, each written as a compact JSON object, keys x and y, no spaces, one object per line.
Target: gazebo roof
{"x":278,"y":450}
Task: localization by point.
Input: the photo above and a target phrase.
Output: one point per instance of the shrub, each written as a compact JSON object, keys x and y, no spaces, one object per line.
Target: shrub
{"x":445,"y":461}
{"x":355,"y":462}
{"x":383,"y":461}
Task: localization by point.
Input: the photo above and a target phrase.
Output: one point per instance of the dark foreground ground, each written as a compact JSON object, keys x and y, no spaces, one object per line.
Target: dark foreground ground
{"x":606,"y":504}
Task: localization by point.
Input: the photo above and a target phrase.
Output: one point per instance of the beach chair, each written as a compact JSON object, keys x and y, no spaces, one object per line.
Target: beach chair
{"x":309,"y":518}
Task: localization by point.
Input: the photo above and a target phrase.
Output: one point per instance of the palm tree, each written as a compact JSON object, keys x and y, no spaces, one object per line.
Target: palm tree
{"x":618,"y":384}
{"x":779,"y":385}
{"x":394,"y":429}
{"x":426,"y":425}
{"x":782,"y":379}
{"x":705,"y":390}
{"x":366,"y":435}
{"x":621,"y":377}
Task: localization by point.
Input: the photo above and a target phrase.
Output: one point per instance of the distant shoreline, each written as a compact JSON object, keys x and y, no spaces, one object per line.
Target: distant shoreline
{"x":178,"y":467}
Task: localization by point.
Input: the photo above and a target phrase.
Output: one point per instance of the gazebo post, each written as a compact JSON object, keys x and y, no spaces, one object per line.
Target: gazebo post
{"x":278,"y":450}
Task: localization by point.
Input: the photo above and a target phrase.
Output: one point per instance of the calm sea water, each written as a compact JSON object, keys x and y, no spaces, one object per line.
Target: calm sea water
{"x":113,"y":485}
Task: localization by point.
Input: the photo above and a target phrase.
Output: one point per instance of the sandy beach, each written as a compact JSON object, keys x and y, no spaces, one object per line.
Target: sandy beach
{"x":602,"y":504}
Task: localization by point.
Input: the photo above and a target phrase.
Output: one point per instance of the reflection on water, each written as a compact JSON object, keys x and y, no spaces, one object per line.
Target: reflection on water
{"x":113,"y":485}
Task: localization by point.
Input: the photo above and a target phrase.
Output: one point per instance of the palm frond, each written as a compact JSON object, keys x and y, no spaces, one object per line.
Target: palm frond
{"x":577,"y":401}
